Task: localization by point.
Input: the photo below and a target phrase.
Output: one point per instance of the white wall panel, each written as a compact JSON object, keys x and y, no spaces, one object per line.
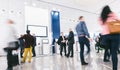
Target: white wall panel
{"x":11,"y":9}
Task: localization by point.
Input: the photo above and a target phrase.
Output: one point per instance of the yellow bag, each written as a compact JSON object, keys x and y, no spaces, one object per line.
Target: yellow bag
{"x":114,"y":27}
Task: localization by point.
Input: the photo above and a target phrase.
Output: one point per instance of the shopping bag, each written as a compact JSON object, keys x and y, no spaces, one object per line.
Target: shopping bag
{"x":15,"y":59}
{"x":114,"y":27}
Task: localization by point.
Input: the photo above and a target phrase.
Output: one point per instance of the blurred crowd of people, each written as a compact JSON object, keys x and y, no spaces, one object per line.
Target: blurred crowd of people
{"x":106,"y":40}
{"x":27,"y":42}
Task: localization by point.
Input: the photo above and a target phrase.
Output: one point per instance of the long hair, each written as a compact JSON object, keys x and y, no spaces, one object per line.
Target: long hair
{"x":104,"y":14}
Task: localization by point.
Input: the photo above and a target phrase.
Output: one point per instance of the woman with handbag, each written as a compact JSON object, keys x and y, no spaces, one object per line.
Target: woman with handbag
{"x":110,"y":41}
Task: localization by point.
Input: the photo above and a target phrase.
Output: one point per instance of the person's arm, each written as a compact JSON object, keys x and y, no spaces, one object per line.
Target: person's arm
{"x":58,"y":42}
{"x":23,"y":37}
{"x":77,"y":29}
{"x":86,"y":30}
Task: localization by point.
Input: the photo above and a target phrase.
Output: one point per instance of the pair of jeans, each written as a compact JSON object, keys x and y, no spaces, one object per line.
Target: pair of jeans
{"x":70,"y":49}
{"x":83,"y":41}
{"x":112,"y":42}
{"x":26,"y":51}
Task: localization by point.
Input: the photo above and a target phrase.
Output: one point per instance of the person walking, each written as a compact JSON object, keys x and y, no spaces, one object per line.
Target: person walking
{"x":84,"y":38}
{"x":12,"y":44}
{"x":110,"y":41}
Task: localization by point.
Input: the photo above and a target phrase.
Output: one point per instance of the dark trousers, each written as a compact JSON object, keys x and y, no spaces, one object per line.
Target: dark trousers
{"x":70,"y":49}
{"x":33,"y":51}
{"x":62,"y":45}
{"x":83,"y":41}
{"x":112,"y":41}
{"x":21,"y":52}
{"x":106,"y":53}
{"x":9,"y":60}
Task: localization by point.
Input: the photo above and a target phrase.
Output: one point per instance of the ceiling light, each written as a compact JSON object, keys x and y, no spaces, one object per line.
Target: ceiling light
{"x":25,"y":3}
{"x":34,"y":4}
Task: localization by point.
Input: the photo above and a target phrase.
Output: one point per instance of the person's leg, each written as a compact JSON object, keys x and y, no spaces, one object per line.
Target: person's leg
{"x":30,"y":54}
{"x":81,"y":42}
{"x":82,"y":52}
{"x":33,"y":51}
{"x":64,"y":49}
{"x":72,"y":51}
{"x":21,"y":52}
{"x":87,"y":43}
{"x":68,"y":50}
{"x":119,"y":49}
{"x":106,"y":55}
{"x":9,"y":60}
{"x":61,"y":49}
{"x":114,"y":49}
{"x":25,"y":54}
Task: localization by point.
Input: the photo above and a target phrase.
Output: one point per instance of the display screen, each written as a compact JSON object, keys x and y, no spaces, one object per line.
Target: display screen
{"x":40,"y":31}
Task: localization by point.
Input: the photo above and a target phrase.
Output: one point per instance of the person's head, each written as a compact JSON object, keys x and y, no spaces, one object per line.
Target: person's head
{"x":21,"y":35}
{"x":81,"y":18}
{"x":70,"y":29}
{"x":105,"y":12}
{"x":62,"y":34}
{"x":28,"y":31}
{"x":33,"y":34}
{"x":9,"y":21}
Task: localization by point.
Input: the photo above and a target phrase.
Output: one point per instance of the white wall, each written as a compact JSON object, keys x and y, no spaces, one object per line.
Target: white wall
{"x":13,"y":9}
{"x":69,"y":16}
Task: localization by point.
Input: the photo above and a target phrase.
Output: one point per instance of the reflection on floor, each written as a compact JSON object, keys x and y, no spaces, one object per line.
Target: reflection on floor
{"x":56,"y":62}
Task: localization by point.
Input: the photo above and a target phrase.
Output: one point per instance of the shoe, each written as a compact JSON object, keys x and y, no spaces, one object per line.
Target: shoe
{"x":33,"y":56}
{"x":71,"y":56}
{"x":106,"y":60}
{"x":61,"y":55}
{"x":9,"y":68}
{"x":22,"y":61}
{"x":67,"y":56}
{"x":29,"y":61}
{"x":118,"y":52}
{"x":84,"y":63}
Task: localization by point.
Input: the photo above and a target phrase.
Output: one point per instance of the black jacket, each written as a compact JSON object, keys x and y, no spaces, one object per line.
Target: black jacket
{"x":71,"y":37}
{"x":60,"y":40}
{"x":29,"y":40}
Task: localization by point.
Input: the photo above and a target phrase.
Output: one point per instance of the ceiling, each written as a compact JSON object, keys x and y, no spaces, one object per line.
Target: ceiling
{"x":91,"y":6}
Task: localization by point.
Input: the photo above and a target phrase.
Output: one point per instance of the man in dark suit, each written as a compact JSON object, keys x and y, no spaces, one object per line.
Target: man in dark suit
{"x":70,"y":43}
{"x":62,"y":43}
{"x":33,"y":49}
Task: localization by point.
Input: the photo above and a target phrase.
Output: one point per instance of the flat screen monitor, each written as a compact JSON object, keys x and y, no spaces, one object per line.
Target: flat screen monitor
{"x":39,"y":31}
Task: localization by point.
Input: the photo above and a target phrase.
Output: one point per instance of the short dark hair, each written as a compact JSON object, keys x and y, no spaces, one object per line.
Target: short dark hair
{"x":28,"y":31}
{"x":80,"y":17}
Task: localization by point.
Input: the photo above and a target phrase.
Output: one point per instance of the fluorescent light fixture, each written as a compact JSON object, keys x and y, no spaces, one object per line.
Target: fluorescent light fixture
{"x":34,"y":4}
{"x":25,"y":3}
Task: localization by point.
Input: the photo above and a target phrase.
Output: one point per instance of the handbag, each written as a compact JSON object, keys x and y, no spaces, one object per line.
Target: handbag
{"x":114,"y":26}
{"x":15,"y":59}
